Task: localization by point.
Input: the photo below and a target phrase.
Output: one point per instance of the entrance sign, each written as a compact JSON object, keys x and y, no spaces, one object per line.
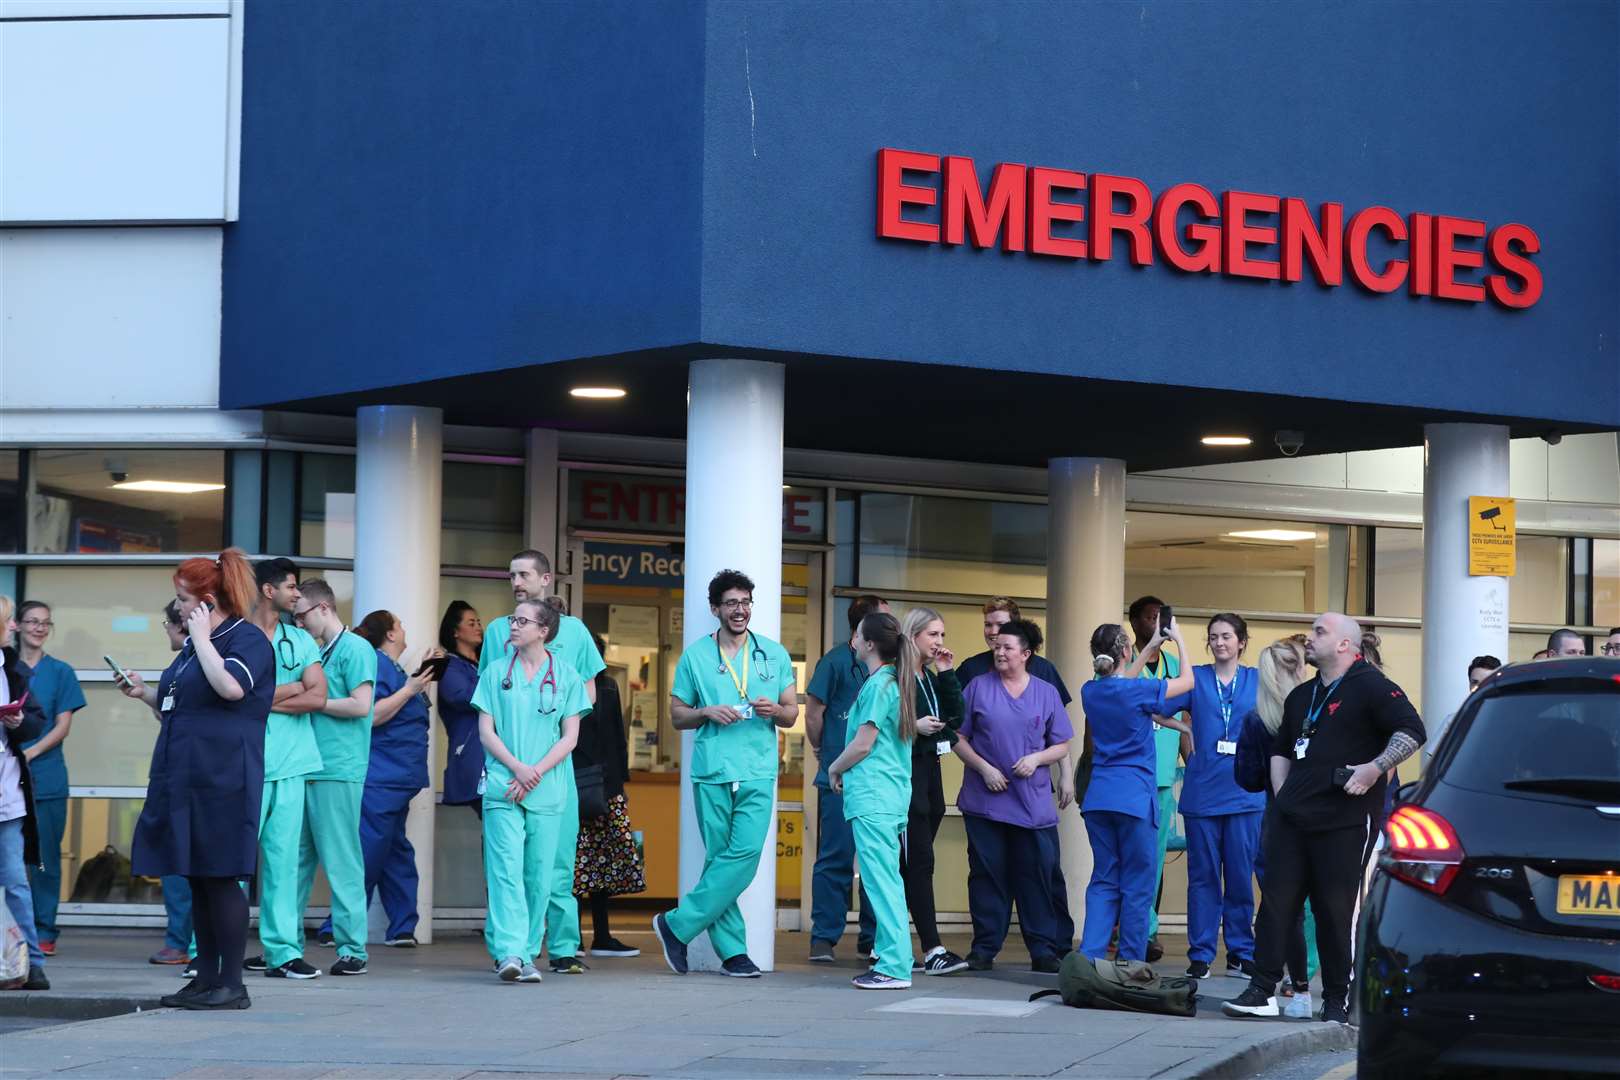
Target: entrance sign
{"x":1045,"y":211}
{"x":646,"y":503}
{"x":1492,"y":536}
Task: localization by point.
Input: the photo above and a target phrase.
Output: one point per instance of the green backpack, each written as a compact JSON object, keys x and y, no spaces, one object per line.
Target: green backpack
{"x":1122,"y":985}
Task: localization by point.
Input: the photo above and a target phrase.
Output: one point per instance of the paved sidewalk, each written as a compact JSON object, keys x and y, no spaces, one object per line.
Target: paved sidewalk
{"x":437,"y":1012}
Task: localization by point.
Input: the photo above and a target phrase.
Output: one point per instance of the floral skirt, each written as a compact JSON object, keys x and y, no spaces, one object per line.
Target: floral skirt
{"x":607,"y":860}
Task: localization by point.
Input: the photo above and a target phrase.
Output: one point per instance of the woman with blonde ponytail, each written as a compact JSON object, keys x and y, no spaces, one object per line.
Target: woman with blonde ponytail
{"x":201,"y":816}
{"x":874,"y":776}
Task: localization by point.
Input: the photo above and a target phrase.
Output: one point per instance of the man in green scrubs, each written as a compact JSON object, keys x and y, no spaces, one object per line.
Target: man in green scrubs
{"x":735,"y":689}
{"x":290,"y":755}
{"x":1169,"y":747}
{"x":530,"y":572}
{"x":332,"y":795}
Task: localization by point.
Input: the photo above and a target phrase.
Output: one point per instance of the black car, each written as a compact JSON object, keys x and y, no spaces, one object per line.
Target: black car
{"x":1490,"y":937}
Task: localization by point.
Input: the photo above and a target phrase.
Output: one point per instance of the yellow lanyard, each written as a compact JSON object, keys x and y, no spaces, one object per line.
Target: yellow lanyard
{"x":742,"y":683}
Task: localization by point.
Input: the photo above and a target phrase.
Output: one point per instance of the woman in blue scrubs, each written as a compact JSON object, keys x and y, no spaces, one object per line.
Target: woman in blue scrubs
{"x":201,"y":816}
{"x":461,"y":635}
{"x":1223,"y":820}
{"x":1121,"y":805}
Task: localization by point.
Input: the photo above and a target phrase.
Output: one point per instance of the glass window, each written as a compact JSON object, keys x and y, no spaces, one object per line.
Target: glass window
{"x":1605,"y":583}
{"x":1235,"y":563}
{"x":114,"y":611}
{"x":931,"y":543}
{"x":94,"y":826}
{"x":844,"y":540}
{"x":326,"y":505}
{"x":483,"y":514}
{"x":458,"y":858}
{"x":1542,"y":742}
{"x":1398,"y":573}
{"x":108,"y":501}
{"x":1536,"y":591}
{"x":10,"y":499}
{"x":111,"y":741}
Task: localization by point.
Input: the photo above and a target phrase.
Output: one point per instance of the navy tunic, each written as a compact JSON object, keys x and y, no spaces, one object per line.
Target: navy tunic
{"x":464,"y":761}
{"x":201,"y":817}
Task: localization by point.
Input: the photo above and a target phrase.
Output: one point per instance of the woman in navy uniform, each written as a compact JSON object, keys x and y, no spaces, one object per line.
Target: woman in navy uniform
{"x":201,"y":817}
{"x":461,"y":635}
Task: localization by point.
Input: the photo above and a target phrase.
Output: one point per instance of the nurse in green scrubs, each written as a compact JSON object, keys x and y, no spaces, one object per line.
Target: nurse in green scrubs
{"x":735,"y":689}
{"x":874,"y":776}
{"x":528,"y":720}
{"x":530,"y":573}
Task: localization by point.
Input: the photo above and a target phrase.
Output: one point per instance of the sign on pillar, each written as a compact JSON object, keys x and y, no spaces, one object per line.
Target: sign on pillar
{"x":1492,"y":536}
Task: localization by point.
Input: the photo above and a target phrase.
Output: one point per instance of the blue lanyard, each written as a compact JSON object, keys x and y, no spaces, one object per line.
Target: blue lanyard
{"x":1226,"y":698}
{"x":1314,"y":715}
{"x":928,"y":694}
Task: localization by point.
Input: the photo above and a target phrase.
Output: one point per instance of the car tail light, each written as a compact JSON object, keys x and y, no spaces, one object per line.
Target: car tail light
{"x":1605,"y":982}
{"x":1423,"y":848}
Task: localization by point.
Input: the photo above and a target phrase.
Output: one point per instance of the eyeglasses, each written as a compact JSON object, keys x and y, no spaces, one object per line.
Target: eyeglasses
{"x":38,"y":624}
{"x":1611,"y":650}
{"x":298,"y":616}
{"x":736,"y":605}
{"x":520,"y":621}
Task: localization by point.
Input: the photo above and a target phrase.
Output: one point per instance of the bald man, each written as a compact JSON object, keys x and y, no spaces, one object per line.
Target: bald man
{"x":1350,"y":717}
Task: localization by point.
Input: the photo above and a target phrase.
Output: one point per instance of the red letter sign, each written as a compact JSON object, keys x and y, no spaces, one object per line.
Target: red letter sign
{"x":1240,"y":234}
{"x":1301,"y":238}
{"x":964,"y":206}
{"x":1448,"y":259}
{"x":1206,"y":257}
{"x":1105,"y":220}
{"x":894,"y":193}
{"x":1501,"y":246}
{"x":1355,"y":240}
{"x":1043,"y":211}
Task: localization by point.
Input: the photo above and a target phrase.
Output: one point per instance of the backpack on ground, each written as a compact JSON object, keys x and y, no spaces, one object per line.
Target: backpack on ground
{"x":104,"y":877}
{"x":1123,"y":986}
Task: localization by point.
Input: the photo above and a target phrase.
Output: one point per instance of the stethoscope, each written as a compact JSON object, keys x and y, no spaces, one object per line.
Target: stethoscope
{"x":550,"y":680}
{"x":760,"y":660}
{"x":286,"y":655}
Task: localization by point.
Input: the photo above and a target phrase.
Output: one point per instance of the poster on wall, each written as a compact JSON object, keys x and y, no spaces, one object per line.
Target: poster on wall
{"x":1492,"y":536}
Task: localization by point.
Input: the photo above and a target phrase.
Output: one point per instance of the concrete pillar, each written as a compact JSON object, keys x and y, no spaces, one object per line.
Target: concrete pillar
{"x":1463,"y":616}
{"x":1085,"y":586}
{"x":398,"y":487}
{"x":733,"y":520}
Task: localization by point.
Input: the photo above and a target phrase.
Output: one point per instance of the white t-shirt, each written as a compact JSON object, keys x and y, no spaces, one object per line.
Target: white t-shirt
{"x":12,"y":804}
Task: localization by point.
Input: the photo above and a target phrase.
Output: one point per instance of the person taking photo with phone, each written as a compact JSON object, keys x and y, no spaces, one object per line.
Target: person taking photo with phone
{"x":179,"y":945}
{"x":1172,"y":745}
{"x":461,"y":636}
{"x":19,"y":834}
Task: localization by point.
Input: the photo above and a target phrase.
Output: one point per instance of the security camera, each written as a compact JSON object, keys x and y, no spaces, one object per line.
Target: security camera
{"x":1552,"y":438}
{"x":1290,"y":442}
{"x":118,"y":477}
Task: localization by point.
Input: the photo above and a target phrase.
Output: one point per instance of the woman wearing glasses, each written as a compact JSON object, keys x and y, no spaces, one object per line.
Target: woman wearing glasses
{"x":528,"y":720}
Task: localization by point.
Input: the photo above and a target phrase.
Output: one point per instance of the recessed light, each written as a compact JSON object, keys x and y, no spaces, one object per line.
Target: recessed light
{"x":1226,"y":440}
{"x":1272,"y":534}
{"x":167,"y":487}
{"x":601,"y":393}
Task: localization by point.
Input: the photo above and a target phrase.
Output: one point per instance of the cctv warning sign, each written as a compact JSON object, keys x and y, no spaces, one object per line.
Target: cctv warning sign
{"x":1492,"y":536}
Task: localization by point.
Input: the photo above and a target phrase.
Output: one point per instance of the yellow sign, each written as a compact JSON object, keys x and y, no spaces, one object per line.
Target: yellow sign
{"x":1492,"y":536}
{"x":789,"y":851}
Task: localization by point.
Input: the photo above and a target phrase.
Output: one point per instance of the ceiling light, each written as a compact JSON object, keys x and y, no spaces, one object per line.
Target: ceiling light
{"x":1273,"y":534}
{"x":1226,"y":440}
{"x":600,"y":393}
{"x":167,"y":487}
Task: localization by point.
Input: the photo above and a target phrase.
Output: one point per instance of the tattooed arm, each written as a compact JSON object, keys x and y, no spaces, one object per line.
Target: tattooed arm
{"x":1394,"y":713}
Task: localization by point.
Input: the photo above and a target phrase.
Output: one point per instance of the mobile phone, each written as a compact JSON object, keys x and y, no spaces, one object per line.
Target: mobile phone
{"x":1166,"y":615}
{"x":118,"y":672}
{"x":1342,"y":775}
{"x":435,"y":664}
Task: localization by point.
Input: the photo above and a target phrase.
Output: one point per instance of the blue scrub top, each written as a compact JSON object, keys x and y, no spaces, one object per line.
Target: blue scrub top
{"x":1210,"y":786}
{"x":464,"y":756}
{"x":836,"y":683}
{"x":1119,"y":715}
{"x":56,"y":689}
{"x":399,"y":747}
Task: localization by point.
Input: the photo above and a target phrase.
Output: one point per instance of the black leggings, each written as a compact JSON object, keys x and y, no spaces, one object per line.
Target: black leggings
{"x":599,"y":918}
{"x":219,"y":915}
{"x":917,"y":853}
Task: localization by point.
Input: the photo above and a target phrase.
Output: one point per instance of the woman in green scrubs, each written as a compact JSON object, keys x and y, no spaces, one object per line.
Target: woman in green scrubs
{"x":528,"y":720}
{"x":874,"y":776}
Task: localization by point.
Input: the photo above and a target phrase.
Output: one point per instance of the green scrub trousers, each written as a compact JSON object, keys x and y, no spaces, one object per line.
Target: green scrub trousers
{"x":520,"y":857}
{"x":1167,"y":824}
{"x":877,"y":845}
{"x":331,"y":836}
{"x":281,"y":832}
{"x":562,"y":911}
{"x":732,"y":819}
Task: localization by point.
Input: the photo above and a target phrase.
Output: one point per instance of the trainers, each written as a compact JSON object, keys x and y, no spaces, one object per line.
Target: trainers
{"x":167,"y":956}
{"x":1298,"y":1007}
{"x":36,"y":980}
{"x":325,"y":940}
{"x":529,"y":974}
{"x":349,"y":965}
{"x":1155,"y":951}
{"x":190,"y":970}
{"x":975,"y":962}
{"x":255,"y":963}
{"x":876,"y":980}
{"x":296,"y":968}
{"x":401,"y":941}
{"x":740,"y":967}
{"x":821,"y":952}
{"x":942,"y":962}
{"x":1197,"y":969}
{"x":48,"y":948}
{"x":866,"y":950}
{"x":510,"y":969}
{"x":613,"y":947}
{"x":567,"y":965}
{"x":1334,"y":1010}
{"x":1252,"y":1002}
{"x":1045,"y":965}
{"x":176,"y":1000}
{"x":1239,"y":969}
{"x":674,"y":948}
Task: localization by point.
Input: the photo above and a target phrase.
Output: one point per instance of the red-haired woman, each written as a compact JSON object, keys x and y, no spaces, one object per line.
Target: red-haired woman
{"x":201,"y":816}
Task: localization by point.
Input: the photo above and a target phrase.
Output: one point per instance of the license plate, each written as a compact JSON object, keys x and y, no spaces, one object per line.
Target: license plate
{"x":1589,"y":894}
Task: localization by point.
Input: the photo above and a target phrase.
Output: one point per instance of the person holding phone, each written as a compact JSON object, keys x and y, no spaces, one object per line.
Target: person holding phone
{"x":1149,"y":615}
{"x":201,"y":815}
{"x":1121,"y":806}
{"x":461,"y":636}
{"x":178,"y":942}
{"x":20,"y":720}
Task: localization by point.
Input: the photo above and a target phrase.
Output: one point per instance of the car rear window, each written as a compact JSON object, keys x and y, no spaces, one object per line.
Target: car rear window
{"x":1527,"y":741}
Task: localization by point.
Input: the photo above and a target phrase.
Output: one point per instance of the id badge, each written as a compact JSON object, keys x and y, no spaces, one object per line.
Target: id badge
{"x":483,"y":782}
{"x":168,"y":704}
{"x":745,"y":711}
{"x":942,"y":748}
{"x":1300,"y":746}
{"x":1226,"y":746}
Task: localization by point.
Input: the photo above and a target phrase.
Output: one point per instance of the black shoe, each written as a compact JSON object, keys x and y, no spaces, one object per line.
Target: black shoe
{"x":1334,"y":1011}
{"x":976,"y":962}
{"x":821,"y":952}
{"x":1155,"y":951}
{"x":1239,"y":969}
{"x":1045,"y":965}
{"x":349,"y":965}
{"x":740,"y":967}
{"x":296,"y":968}
{"x":1253,"y":1002}
{"x":325,"y":940}
{"x":567,"y":965}
{"x":255,"y":963}
{"x":220,"y":997}
{"x":612,"y":946}
{"x":674,"y":948}
{"x":942,"y":962}
{"x":402,"y":941}
{"x":864,"y":949}
{"x":177,"y":1000}
{"x":1197,"y":969}
{"x":36,"y":980}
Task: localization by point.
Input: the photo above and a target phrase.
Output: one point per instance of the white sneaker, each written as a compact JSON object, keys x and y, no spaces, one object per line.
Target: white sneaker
{"x":529,"y":974}
{"x":1297,"y":1007}
{"x":509,"y":969}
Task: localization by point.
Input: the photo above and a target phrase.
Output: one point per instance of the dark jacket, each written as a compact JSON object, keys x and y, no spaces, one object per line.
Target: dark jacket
{"x":33,"y":726}
{"x":602,"y":739}
{"x":948,"y":691}
{"x":1252,"y":766}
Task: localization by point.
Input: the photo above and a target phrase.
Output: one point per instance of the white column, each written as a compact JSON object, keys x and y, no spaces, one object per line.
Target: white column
{"x":540,"y":491}
{"x":733,"y":521}
{"x":1085,"y":586}
{"x":398,"y":486}
{"x":1463,"y":616}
